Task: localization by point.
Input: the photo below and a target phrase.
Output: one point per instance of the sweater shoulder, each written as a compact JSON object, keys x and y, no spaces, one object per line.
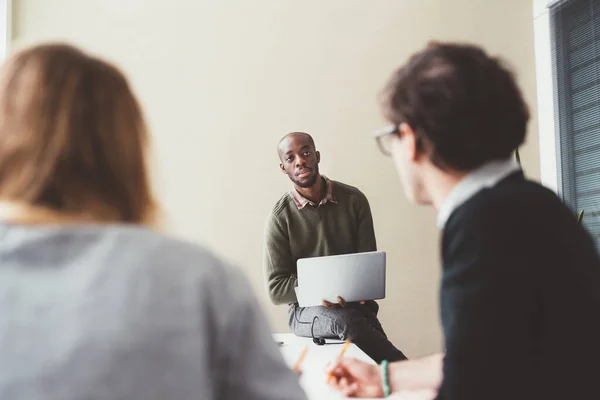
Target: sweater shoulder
{"x":133,"y":250}
{"x":174,"y":262}
{"x":156,"y":246}
{"x":343,"y":189}
{"x":281,"y":206}
{"x":511,"y":209}
{"x":514,"y":199}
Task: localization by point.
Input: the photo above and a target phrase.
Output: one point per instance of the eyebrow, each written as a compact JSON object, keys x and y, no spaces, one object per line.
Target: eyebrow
{"x":305,"y":147}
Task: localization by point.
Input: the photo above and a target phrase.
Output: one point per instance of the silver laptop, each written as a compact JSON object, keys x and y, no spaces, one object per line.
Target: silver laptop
{"x":354,"y":277}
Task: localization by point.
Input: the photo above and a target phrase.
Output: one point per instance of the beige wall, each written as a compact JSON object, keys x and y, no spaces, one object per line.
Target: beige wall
{"x":222,"y":81}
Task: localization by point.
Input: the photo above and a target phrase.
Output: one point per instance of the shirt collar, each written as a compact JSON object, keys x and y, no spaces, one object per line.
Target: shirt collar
{"x":301,"y":201}
{"x":486,"y":176}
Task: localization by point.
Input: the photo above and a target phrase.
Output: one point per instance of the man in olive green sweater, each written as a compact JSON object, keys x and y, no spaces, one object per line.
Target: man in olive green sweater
{"x":317,"y":218}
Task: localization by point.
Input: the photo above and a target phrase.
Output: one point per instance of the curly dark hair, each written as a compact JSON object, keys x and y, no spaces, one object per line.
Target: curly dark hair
{"x":464,"y":105}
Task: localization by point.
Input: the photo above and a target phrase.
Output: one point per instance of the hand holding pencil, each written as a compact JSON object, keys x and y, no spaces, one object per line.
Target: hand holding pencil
{"x":355,"y":378}
{"x":346,"y":345}
{"x":298,"y":367}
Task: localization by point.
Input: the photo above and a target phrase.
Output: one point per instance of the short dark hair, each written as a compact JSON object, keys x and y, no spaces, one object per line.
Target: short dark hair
{"x":464,"y":105}
{"x":306,"y":135}
{"x":311,"y":141}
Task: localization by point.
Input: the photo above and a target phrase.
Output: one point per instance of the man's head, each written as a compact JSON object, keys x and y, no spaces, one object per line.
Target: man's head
{"x":299,"y":158}
{"x":454,"y":108}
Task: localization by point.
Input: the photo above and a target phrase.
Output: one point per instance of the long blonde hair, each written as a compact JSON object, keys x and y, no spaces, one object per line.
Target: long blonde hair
{"x":73,"y":137}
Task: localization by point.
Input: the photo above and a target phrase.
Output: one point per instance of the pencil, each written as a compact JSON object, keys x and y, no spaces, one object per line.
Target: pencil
{"x":346,"y":345}
{"x":300,"y":359}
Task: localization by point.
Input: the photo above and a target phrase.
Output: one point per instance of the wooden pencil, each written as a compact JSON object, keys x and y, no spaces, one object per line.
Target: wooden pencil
{"x":297,"y":368}
{"x":346,"y":345}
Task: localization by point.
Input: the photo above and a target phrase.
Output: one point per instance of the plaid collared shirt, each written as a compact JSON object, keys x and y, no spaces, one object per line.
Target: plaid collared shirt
{"x":302,"y":201}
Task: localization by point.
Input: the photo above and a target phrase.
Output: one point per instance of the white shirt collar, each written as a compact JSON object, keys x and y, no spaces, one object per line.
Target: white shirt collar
{"x":486,"y":176}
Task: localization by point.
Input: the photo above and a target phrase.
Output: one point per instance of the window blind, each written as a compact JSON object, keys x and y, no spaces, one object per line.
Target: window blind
{"x":576,"y":56}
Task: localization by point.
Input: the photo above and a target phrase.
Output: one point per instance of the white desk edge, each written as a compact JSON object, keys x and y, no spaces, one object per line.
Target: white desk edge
{"x":313,"y":379}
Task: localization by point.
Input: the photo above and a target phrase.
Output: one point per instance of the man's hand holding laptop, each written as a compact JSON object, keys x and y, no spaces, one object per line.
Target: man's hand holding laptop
{"x":341,"y":303}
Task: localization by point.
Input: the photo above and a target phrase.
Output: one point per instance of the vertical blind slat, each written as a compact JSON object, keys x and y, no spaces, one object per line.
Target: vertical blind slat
{"x":576,"y":57}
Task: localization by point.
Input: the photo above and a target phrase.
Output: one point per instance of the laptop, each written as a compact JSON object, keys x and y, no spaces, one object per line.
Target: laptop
{"x":354,"y":277}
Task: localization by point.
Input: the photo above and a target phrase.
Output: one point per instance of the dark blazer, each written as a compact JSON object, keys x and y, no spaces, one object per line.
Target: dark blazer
{"x":520,"y":298}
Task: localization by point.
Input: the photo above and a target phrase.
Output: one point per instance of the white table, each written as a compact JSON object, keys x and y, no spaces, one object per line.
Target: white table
{"x":313,"y":379}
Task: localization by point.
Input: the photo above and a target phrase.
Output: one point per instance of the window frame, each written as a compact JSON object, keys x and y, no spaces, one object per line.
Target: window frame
{"x":549,"y":151}
{"x":6,"y":32}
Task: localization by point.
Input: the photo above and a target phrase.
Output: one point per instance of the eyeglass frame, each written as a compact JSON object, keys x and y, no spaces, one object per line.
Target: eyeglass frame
{"x":383,"y":132}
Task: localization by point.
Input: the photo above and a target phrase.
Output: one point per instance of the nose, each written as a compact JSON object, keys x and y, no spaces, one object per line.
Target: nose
{"x":300,"y":162}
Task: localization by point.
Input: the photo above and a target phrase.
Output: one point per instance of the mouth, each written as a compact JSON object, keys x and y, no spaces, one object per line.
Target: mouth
{"x":304,"y":173}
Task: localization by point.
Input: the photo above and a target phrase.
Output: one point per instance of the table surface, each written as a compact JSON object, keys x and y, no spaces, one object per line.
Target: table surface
{"x":313,"y":379}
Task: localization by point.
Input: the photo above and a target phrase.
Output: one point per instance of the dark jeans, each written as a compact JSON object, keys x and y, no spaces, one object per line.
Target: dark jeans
{"x":357,"y":322}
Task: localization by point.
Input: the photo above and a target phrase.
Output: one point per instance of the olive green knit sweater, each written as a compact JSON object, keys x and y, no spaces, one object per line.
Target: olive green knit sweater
{"x":331,"y":229}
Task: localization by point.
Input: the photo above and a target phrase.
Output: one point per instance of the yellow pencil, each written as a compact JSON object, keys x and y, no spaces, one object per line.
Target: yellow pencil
{"x":346,"y":345}
{"x":300,"y":359}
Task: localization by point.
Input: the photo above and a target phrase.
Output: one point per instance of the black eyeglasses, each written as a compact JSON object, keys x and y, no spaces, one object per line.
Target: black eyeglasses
{"x":384,"y":138}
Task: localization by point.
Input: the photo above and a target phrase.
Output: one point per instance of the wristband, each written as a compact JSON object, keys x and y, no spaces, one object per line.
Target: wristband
{"x":385,"y":378}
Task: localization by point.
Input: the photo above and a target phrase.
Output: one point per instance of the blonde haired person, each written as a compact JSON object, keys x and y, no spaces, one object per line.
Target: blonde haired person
{"x":94,"y":304}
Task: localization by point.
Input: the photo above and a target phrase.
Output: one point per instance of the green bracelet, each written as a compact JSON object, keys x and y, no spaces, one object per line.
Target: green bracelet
{"x":385,"y":378}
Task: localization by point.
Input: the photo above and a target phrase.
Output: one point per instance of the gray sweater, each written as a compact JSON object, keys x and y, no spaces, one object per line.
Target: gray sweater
{"x":115,"y":312}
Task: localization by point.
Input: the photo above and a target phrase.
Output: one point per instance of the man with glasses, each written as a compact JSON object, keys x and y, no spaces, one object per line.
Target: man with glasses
{"x":320,"y":217}
{"x":520,"y":290}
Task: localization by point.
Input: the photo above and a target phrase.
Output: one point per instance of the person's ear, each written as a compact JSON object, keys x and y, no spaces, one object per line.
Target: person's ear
{"x":318,"y":154}
{"x":410,"y":139}
{"x":282,"y":169}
